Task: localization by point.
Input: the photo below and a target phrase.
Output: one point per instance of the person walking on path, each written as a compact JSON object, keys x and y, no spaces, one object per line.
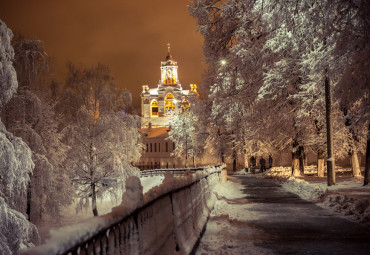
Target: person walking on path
{"x":263,"y":164}
{"x":270,"y":161}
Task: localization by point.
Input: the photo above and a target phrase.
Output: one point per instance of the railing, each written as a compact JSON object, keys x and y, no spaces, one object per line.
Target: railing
{"x":175,"y":172}
{"x":168,"y":222}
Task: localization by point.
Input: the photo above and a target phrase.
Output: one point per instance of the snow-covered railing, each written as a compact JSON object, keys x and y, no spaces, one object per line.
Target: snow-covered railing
{"x":168,"y":219}
{"x":175,"y":171}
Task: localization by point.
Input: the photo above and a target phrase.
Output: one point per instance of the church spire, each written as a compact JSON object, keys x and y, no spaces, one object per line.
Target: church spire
{"x":169,"y":69}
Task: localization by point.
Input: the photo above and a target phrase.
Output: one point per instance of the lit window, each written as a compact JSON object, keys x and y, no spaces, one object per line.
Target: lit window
{"x":169,"y":105}
{"x":154,"y":106}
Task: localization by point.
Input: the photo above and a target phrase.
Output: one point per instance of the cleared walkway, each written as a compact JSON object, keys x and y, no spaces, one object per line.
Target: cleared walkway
{"x":256,"y":216}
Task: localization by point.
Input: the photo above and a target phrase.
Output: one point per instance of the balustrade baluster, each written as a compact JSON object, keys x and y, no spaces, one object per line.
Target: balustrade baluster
{"x":111,"y":247}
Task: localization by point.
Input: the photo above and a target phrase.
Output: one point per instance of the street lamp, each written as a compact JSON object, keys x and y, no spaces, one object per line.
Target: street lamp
{"x":223,"y":62}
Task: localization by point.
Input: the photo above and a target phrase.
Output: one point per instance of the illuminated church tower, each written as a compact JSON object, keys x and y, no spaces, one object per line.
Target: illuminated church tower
{"x":168,"y":99}
{"x":169,"y":70}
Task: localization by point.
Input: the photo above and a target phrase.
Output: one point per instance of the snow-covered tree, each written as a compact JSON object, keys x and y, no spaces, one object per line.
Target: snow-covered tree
{"x":31,"y":116}
{"x":104,"y":139}
{"x":16,"y":232}
{"x":182,"y":134}
{"x":352,"y":91}
{"x":278,"y":57}
{"x":233,"y":36}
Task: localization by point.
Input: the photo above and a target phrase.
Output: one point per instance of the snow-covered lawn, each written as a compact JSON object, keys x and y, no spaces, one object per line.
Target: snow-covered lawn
{"x":105,"y":205}
{"x":348,"y":198}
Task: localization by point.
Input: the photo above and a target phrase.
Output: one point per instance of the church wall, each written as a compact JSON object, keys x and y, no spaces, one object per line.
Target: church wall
{"x":157,"y":155}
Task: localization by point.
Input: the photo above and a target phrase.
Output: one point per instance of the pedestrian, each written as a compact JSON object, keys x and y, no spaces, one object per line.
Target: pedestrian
{"x":263,"y":164}
{"x":253,"y":161}
{"x":270,"y":161}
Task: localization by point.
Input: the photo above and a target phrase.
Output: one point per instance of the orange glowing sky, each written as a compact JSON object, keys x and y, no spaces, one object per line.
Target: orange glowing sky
{"x":128,"y":36}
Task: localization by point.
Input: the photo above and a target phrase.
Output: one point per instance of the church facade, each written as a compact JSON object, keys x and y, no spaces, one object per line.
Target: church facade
{"x":158,"y":105}
{"x":167,"y":99}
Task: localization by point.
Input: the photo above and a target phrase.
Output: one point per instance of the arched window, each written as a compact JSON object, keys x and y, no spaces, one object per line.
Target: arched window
{"x":169,"y":105}
{"x":154,"y":106}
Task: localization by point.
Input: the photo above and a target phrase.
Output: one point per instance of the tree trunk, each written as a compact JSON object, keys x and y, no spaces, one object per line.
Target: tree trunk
{"x":234,"y":152}
{"x":295,"y":164}
{"x":186,"y":148}
{"x":194,"y":164}
{"x":301,"y":159}
{"x":330,"y":159}
{"x":246,"y":161}
{"x":320,"y":163}
{"x":93,"y":198}
{"x":356,"y":172}
{"x":234,"y":164}
{"x":367,"y":164}
{"x":29,"y":196}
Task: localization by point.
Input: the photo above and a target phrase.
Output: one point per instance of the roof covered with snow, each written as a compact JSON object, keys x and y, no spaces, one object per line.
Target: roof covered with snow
{"x":153,"y":91}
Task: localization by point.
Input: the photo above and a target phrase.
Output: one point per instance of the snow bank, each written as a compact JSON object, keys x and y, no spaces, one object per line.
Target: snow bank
{"x":278,"y":172}
{"x":304,"y":189}
{"x":356,"y":209}
{"x":168,"y":219}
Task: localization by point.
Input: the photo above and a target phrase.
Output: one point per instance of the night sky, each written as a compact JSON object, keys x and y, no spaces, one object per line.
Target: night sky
{"x":128,"y":36}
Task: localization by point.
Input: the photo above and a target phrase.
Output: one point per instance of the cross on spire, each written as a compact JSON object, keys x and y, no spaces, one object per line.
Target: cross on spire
{"x":168,"y":47}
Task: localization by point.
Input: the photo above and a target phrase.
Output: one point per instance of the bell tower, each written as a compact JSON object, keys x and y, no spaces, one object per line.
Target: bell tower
{"x":169,"y":70}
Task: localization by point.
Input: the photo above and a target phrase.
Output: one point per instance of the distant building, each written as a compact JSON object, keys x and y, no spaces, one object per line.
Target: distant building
{"x":157,"y":106}
{"x":168,"y":99}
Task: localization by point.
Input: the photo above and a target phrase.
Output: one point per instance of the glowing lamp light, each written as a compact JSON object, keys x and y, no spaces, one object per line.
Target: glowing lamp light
{"x":223,"y":62}
{"x":175,"y":101}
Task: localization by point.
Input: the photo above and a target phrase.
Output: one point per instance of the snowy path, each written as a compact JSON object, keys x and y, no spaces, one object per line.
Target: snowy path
{"x":256,"y":216}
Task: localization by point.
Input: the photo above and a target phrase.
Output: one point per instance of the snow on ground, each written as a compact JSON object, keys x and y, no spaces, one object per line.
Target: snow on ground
{"x":150,"y":182}
{"x":348,"y":197}
{"x":227,"y":231}
{"x":105,"y":205}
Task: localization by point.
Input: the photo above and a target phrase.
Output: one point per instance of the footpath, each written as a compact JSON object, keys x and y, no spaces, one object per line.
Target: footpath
{"x":257,"y":216}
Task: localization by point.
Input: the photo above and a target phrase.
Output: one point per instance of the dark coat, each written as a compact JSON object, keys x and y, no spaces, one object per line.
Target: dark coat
{"x":262,"y":162}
